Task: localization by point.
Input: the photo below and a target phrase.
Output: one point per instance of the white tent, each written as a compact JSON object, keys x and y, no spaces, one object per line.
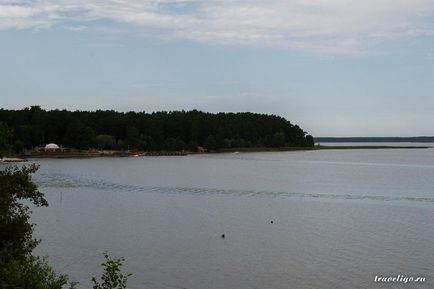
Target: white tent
{"x":52,"y":147}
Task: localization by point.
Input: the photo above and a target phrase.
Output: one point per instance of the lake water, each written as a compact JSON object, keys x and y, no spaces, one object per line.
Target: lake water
{"x":340,"y":217}
{"x":394,"y":144}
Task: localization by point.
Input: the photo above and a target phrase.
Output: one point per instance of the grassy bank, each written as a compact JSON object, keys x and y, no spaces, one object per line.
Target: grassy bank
{"x":94,"y":154}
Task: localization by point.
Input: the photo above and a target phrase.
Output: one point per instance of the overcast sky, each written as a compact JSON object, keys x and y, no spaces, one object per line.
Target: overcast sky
{"x":335,"y":67}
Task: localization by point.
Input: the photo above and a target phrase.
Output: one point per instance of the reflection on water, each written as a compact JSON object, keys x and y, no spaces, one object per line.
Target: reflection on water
{"x":339,"y":218}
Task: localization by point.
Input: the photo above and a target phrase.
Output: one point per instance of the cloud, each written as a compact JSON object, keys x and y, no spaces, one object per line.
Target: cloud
{"x":77,"y":28}
{"x":320,"y":26}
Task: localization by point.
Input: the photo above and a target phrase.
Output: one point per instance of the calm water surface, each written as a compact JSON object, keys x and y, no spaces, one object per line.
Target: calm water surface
{"x":340,"y":217}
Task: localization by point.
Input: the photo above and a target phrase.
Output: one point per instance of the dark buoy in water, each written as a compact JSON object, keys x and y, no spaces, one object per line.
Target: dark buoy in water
{"x":272,"y":222}
{"x":223,"y":236}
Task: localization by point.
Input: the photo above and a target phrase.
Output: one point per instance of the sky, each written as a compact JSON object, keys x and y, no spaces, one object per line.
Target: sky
{"x":334,"y":67}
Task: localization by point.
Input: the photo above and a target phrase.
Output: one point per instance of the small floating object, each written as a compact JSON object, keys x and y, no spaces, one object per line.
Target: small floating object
{"x":235,"y":153}
{"x":272,"y":222}
{"x":223,"y":236}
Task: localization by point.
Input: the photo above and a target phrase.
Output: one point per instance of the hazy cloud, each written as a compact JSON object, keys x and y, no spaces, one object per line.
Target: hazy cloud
{"x":77,"y":28}
{"x":321,"y":26}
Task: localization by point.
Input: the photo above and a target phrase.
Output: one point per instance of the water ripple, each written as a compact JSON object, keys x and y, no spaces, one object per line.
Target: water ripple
{"x":57,"y":180}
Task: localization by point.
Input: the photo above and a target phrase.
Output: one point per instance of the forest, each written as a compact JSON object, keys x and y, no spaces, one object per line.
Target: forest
{"x":155,"y":131}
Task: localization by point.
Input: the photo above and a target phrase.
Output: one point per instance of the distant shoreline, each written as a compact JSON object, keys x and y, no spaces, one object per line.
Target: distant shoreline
{"x":416,"y":139}
{"x":321,"y":147}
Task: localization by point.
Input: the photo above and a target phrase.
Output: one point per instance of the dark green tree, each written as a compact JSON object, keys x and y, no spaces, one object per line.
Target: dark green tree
{"x":132,"y":137}
{"x":278,"y":140}
{"x":105,"y":142}
{"x":310,"y":142}
{"x":210,"y":142}
{"x":5,"y":139}
{"x":18,"y":267}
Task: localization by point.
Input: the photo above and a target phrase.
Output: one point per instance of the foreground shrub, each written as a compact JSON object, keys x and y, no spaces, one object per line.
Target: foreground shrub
{"x":112,"y":277}
{"x":18,"y":267}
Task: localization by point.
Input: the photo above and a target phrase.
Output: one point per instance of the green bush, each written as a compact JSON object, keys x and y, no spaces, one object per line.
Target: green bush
{"x":112,"y":277}
{"x":19,"y":269}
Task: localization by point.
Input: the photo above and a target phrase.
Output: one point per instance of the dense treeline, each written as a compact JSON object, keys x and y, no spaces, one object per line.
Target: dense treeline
{"x":176,"y":130}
